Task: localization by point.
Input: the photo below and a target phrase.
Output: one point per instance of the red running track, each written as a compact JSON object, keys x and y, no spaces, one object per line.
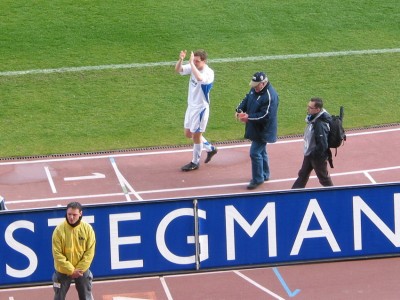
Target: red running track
{"x":368,"y":157}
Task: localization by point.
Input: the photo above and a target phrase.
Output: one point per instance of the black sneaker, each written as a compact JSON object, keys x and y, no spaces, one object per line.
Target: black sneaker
{"x":190,"y":167}
{"x":211,"y":154}
{"x":253,"y":185}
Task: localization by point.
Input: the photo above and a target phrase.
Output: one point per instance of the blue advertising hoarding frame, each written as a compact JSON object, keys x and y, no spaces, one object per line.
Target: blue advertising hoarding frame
{"x":229,"y":231}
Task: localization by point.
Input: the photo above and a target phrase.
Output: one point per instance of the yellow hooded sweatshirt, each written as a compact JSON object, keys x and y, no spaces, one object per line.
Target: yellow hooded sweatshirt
{"x":73,"y":247}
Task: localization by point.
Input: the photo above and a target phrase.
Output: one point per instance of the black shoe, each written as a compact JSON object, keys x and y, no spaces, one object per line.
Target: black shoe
{"x":211,"y":154}
{"x":253,"y":185}
{"x":190,"y":167}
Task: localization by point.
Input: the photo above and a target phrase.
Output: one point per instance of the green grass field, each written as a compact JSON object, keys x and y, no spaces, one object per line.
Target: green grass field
{"x":119,"y":108}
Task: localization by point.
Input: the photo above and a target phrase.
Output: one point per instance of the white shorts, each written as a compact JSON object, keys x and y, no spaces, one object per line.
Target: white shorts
{"x":196,"y":119}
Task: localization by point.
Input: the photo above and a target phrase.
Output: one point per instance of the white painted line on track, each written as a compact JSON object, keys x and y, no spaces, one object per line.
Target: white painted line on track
{"x":36,"y":287}
{"x":270,"y":181}
{"x":264,"y":289}
{"x":166,"y":289}
{"x":216,"y":60}
{"x":174,"y":151}
{"x":86,"y":177}
{"x":373,"y":132}
{"x":369,"y":177}
{"x":121,"y":179}
{"x":50,"y":179}
{"x":124,"y":183}
{"x":67,"y":198}
{"x":138,"y":193}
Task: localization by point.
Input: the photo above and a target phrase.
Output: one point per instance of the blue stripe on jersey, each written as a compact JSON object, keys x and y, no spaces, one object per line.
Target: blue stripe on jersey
{"x":206,"y":90}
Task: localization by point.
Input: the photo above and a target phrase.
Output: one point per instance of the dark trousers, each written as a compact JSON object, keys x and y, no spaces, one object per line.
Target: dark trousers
{"x":259,"y":162}
{"x":62,"y":282}
{"x":320,"y":166}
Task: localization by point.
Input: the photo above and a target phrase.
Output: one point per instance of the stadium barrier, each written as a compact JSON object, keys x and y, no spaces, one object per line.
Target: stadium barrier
{"x":172,"y":236}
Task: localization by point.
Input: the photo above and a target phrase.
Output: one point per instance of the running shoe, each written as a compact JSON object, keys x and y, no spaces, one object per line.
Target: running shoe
{"x":211,"y":154}
{"x":190,"y":167}
{"x":253,"y":185}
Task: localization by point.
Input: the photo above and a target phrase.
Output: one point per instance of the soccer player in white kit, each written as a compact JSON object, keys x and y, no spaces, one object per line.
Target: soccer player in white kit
{"x":198,"y":110}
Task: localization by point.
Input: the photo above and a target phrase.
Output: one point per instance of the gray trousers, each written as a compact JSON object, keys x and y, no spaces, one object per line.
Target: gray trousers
{"x":319,"y":165}
{"x":83,"y":285}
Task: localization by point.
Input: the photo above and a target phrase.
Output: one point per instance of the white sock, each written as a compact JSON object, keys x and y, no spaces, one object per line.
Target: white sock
{"x":197,"y":148}
{"x":206,"y":144}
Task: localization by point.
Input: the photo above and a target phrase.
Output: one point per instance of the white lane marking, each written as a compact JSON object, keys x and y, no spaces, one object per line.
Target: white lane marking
{"x":87,"y":177}
{"x":259,"y":286}
{"x":369,"y":177}
{"x":163,"y":152}
{"x":121,"y":179}
{"x":137,"y":194}
{"x":67,"y":198}
{"x":216,"y":60}
{"x":123,"y":182}
{"x":166,"y":289}
{"x":50,"y":179}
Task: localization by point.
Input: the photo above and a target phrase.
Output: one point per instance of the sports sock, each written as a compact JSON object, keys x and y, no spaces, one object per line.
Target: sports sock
{"x":206,"y":144}
{"x":197,"y":148}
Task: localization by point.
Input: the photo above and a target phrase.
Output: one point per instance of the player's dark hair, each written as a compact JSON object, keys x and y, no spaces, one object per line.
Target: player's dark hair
{"x":75,"y":205}
{"x":318,"y":102}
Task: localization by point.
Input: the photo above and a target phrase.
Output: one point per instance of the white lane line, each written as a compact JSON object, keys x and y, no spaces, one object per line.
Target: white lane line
{"x":67,"y":198}
{"x":86,"y":177}
{"x":216,"y":60}
{"x":194,"y":188}
{"x":166,"y":289}
{"x":50,"y":179}
{"x":259,"y":286}
{"x":120,"y":179}
{"x":174,"y":151}
{"x":271,"y":181}
{"x":369,"y":177}
{"x":124,"y":183}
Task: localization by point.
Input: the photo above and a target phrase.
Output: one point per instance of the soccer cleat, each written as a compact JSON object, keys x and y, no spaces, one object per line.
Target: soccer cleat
{"x":253,"y":185}
{"x":190,"y":167}
{"x":211,"y":154}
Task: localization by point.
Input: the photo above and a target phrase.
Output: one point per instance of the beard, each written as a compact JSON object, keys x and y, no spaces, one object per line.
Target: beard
{"x":74,"y":224}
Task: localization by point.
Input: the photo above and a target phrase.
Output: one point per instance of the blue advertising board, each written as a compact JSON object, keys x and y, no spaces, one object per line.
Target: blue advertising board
{"x":181,"y":235}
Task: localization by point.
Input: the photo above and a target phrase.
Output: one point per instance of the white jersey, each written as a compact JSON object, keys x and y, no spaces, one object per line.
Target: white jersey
{"x":199,"y":91}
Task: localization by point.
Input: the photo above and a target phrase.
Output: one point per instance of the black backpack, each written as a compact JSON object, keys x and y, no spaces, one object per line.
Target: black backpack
{"x":337,"y":134}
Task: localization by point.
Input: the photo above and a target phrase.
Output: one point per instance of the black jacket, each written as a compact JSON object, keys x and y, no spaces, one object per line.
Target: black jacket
{"x":316,"y":135}
{"x":262,"y":109}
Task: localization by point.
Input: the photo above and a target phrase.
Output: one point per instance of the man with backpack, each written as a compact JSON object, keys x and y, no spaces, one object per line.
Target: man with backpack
{"x":316,"y":148}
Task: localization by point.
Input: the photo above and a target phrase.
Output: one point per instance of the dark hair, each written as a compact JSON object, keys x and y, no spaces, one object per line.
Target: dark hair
{"x":201,"y":53}
{"x":318,"y":102}
{"x":75,"y":205}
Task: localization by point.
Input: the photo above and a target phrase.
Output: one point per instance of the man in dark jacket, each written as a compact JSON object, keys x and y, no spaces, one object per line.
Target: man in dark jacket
{"x":316,"y":150}
{"x":259,"y":110}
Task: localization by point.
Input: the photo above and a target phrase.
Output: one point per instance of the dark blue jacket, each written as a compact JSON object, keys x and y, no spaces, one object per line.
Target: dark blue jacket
{"x":262,"y":109}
